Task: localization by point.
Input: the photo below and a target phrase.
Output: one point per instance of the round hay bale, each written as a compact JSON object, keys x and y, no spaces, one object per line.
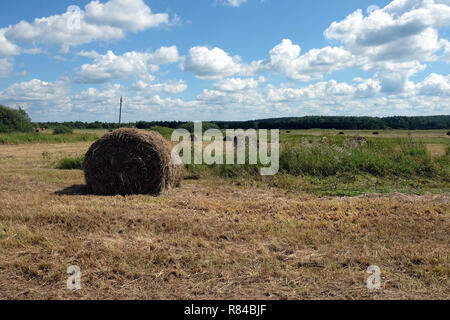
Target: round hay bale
{"x":360,"y":140}
{"x":130,"y":161}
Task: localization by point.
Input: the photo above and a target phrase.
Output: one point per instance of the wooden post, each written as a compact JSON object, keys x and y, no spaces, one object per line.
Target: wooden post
{"x":120,"y":114}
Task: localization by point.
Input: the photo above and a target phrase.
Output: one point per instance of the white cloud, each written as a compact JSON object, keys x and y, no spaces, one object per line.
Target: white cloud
{"x":237,"y":84}
{"x":133,"y":15}
{"x":367,"y":87}
{"x":6,"y":67}
{"x":171,"y":87}
{"x":234,"y":3}
{"x":394,"y":40}
{"x":211,"y":63}
{"x":98,"y":22}
{"x":48,"y":97}
{"x":359,"y":97}
{"x":318,"y":90}
{"x":7,"y":49}
{"x":285,"y":58}
{"x":435,"y":85}
{"x":97,"y":101}
{"x":109,"y":66}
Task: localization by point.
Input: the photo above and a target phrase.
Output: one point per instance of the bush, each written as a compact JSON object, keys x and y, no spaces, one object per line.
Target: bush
{"x":164,"y":131}
{"x":205,"y":126}
{"x":70,"y":163}
{"x":12,"y":120}
{"x":62,"y":130}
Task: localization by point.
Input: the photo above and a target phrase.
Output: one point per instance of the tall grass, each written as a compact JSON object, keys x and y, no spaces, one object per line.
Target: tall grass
{"x":401,"y":157}
{"x":341,"y":156}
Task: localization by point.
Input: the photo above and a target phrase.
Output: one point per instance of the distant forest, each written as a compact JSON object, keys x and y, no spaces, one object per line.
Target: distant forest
{"x":312,"y":122}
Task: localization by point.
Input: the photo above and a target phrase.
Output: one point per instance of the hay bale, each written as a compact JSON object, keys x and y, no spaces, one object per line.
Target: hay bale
{"x":130,"y":161}
{"x":360,"y":140}
{"x":341,"y":133}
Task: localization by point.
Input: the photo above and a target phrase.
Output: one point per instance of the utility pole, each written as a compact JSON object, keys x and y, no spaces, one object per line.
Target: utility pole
{"x":120,"y":114}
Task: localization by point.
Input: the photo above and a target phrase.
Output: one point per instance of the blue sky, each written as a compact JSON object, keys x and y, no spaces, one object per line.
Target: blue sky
{"x":224,"y":59}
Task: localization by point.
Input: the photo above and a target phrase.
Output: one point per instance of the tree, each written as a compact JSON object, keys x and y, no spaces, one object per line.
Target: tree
{"x":14,"y":120}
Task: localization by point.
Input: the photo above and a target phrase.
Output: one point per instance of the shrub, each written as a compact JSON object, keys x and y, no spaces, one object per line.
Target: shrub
{"x":62,"y":130}
{"x":12,"y":120}
{"x":70,"y":163}
{"x":164,"y":131}
{"x":205,"y":126}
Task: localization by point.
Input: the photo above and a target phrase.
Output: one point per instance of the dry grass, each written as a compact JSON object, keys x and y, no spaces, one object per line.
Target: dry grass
{"x":436,"y":150}
{"x":210,"y":239}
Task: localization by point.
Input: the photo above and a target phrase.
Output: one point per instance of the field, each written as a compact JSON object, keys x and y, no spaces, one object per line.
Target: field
{"x":308,"y":233}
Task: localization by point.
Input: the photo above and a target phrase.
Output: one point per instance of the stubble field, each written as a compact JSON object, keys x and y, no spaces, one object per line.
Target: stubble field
{"x":215,"y":237}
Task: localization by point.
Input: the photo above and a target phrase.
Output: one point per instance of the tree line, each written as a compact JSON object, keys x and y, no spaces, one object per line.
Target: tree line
{"x":18,"y":120}
{"x":310,"y":122}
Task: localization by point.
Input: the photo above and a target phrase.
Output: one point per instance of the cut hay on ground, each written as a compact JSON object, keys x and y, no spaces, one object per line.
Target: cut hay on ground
{"x":130,"y":161}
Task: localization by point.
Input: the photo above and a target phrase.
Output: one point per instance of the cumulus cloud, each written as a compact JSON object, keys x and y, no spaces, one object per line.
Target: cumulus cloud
{"x":47,"y":97}
{"x":435,"y":85}
{"x":230,"y":98}
{"x":98,"y":22}
{"x":213,"y":63}
{"x":285,"y":58}
{"x":6,"y":67}
{"x":394,"y":40}
{"x":109,"y":66}
{"x":132,"y":15}
{"x":238,"y":84}
{"x":7,"y":48}
{"x":171,"y":87}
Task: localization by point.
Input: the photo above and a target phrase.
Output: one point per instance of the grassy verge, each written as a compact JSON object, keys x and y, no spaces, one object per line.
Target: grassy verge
{"x":25,"y":138}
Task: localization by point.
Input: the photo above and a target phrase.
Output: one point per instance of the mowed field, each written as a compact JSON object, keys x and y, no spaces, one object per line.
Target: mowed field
{"x":218,"y":237}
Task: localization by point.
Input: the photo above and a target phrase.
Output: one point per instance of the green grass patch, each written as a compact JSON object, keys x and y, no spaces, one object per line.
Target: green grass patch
{"x":342,"y":166}
{"x":24,"y":138}
{"x":69,"y":163}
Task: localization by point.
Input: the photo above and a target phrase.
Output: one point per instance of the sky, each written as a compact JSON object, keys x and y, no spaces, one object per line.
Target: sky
{"x":69,"y":60}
